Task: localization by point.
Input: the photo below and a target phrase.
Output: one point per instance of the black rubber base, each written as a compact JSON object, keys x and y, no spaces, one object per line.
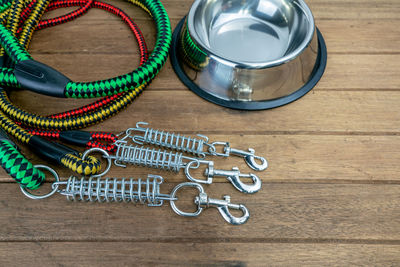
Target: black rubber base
{"x":249,"y":105}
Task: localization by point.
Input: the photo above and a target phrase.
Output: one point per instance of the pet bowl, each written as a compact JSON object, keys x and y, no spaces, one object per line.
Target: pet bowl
{"x":249,"y":54}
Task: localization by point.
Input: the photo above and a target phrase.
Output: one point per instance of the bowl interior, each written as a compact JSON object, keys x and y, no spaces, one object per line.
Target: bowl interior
{"x":252,"y":31}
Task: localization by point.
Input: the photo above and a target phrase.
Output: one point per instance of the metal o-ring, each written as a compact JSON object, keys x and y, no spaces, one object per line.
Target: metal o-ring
{"x":55,"y":189}
{"x":106,"y":155}
{"x":173,"y":196}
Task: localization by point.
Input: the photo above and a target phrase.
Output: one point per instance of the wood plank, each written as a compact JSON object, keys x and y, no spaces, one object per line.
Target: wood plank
{"x":182,"y":111}
{"x":201,"y":254}
{"x":341,"y":213}
{"x":113,"y":37}
{"x":355,"y":10}
{"x":321,"y":156}
{"x":362,"y":72}
{"x":294,"y":158}
{"x":331,"y":194}
{"x":336,"y":9}
{"x":361,"y":36}
{"x":375,"y":72}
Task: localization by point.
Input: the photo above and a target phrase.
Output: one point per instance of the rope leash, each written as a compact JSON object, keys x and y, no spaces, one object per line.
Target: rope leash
{"x":89,"y":140}
{"x":103,"y":140}
{"x":26,"y":69}
{"x":70,"y":160}
{"x":16,"y":122}
{"x":55,"y":152}
{"x":17,"y":166}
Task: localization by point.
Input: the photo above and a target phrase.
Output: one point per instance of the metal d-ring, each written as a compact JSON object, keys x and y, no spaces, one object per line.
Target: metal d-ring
{"x":106,"y":155}
{"x":190,"y":166}
{"x":55,"y":188}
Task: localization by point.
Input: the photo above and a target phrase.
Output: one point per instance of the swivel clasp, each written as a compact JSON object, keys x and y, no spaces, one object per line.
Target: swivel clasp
{"x":234,"y":176}
{"x":223,"y":206}
{"x":203,"y":201}
{"x":250,"y":158}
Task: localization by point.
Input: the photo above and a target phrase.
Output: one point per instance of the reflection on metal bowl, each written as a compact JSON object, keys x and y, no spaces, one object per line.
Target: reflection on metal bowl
{"x":249,"y":54}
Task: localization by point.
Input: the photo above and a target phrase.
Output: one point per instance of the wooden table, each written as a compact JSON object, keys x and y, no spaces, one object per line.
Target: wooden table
{"x":331,"y":195}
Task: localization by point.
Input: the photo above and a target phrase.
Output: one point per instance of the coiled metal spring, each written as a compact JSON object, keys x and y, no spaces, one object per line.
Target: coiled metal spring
{"x":148,"y":157}
{"x":198,"y":147}
{"x":169,"y":140}
{"x":132,"y":190}
{"x":115,"y":190}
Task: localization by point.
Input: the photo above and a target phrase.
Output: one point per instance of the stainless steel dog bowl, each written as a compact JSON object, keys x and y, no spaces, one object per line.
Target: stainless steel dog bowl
{"x":249,"y":54}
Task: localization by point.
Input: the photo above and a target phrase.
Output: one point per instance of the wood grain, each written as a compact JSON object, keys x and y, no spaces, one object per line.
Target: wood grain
{"x":332,"y":10}
{"x":84,"y":60}
{"x":297,"y":158}
{"x":351,"y":112}
{"x":341,"y":212}
{"x":341,"y":36}
{"x":196,"y":254}
{"x":330,"y":197}
{"x":344,"y":72}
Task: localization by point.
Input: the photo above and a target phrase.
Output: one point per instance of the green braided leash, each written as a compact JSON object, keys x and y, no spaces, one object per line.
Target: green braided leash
{"x":4,"y":5}
{"x":14,"y":50}
{"x":18,"y":167}
{"x":63,"y":87}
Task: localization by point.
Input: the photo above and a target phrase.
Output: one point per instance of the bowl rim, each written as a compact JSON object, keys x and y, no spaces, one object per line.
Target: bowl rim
{"x":317,"y":74}
{"x":256,"y":65}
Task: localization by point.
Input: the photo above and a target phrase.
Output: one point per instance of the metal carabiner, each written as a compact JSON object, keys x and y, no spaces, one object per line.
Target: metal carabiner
{"x":203,"y":201}
{"x":192,"y":145}
{"x":234,"y":176}
{"x":250,"y":158}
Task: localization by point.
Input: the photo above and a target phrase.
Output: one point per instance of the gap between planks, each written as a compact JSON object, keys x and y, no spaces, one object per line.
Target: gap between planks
{"x":193,"y":254}
{"x":7,"y":180}
{"x":221,"y":240}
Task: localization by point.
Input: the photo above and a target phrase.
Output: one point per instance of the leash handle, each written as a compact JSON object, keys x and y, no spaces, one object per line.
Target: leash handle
{"x":17,"y":166}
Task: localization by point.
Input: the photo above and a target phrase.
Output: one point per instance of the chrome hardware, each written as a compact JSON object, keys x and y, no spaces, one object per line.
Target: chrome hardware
{"x":114,"y":190}
{"x":137,"y":191}
{"x":212,"y":150}
{"x":199,"y":163}
{"x":174,"y":161}
{"x":168,"y":140}
{"x":234,"y":176}
{"x":250,"y":158}
{"x":55,"y":189}
{"x":203,"y":201}
{"x":198,"y":147}
{"x":148,"y":157}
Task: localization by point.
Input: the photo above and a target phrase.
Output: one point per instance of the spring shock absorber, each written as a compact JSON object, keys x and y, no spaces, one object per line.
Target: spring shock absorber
{"x":199,"y":147}
{"x":173,"y":141}
{"x":138,"y":191}
{"x":114,"y":190}
{"x":149,"y":157}
{"x":175,"y":161}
